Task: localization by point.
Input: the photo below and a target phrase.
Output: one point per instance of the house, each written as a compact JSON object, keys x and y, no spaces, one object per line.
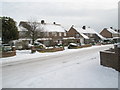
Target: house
{"x":85,"y":34}
{"x":110,"y":33}
{"x":50,"y":33}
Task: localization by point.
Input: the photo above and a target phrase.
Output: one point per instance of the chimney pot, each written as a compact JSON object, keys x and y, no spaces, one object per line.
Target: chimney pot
{"x":84,"y":27}
{"x":42,"y":21}
{"x":72,"y":25}
{"x":111,"y":27}
{"x":54,"y":22}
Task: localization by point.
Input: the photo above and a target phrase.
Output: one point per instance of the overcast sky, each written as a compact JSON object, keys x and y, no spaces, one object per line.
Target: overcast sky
{"x":97,"y":14}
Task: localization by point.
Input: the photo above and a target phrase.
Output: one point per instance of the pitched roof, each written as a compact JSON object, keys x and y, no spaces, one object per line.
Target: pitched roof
{"x":47,"y":27}
{"x":20,"y":28}
{"x":112,"y":31}
{"x":52,"y":28}
{"x":87,"y":30}
{"x":84,"y":36}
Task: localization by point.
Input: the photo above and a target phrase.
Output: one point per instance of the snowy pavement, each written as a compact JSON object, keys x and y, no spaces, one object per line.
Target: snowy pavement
{"x":74,"y":68}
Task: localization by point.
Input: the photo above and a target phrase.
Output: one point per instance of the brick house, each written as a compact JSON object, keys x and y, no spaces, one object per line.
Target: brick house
{"x":110,"y":33}
{"x":85,"y":35}
{"x":51,"y":33}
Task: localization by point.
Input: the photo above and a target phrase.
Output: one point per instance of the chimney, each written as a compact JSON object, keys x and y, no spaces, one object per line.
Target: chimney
{"x":119,"y":30}
{"x":42,"y":21}
{"x":116,"y":30}
{"x":84,"y":27}
{"x":54,"y":22}
{"x":72,"y":25}
{"x":111,"y":27}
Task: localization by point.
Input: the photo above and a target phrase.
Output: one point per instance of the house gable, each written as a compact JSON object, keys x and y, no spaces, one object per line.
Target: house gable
{"x":72,"y":32}
{"x":106,"y":33}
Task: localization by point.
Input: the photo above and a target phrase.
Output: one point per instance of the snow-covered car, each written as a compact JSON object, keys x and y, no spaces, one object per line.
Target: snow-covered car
{"x":6,"y":47}
{"x":39,"y":45}
{"x":72,"y":45}
{"x":59,"y":45}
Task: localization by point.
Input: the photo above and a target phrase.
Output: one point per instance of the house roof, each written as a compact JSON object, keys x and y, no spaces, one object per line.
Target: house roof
{"x":112,"y":31}
{"x":52,"y":28}
{"x":87,"y":30}
{"x":47,"y":27}
{"x":84,"y":36}
{"x":20,"y":28}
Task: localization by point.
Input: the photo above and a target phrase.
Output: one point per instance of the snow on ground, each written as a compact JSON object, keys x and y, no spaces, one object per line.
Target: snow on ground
{"x":26,"y":55}
{"x":80,"y":69}
{"x":78,"y":75}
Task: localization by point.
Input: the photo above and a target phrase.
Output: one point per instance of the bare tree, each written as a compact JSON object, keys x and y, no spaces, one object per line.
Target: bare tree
{"x":34,"y":29}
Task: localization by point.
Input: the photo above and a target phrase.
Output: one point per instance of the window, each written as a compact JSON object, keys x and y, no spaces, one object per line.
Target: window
{"x":60,"y":34}
{"x":54,"y":33}
{"x":65,"y":34}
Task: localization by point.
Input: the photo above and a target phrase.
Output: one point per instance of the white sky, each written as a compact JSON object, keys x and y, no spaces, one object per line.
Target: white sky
{"x":94,"y":13}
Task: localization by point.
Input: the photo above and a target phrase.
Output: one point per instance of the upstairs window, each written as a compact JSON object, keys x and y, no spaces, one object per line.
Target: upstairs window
{"x":65,"y":34}
{"x":54,"y":33}
{"x":60,"y":34}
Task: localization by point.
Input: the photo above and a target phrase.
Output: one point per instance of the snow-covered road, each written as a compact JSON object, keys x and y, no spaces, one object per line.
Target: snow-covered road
{"x":78,"y":69}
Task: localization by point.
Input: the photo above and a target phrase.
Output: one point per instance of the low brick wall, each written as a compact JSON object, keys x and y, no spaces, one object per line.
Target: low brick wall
{"x":51,"y":50}
{"x":110,"y":59}
{"x":87,"y":45}
{"x":8,"y":54}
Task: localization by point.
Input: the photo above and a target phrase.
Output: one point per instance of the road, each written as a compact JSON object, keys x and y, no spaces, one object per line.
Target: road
{"x":26,"y":74}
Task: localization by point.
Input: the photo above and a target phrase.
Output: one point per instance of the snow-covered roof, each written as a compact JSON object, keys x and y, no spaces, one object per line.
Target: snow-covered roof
{"x":47,"y":27}
{"x":20,"y":28}
{"x":84,"y":36}
{"x":112,"y":31}
{"x":87,"y":30}
{"x":52,"y":28}
{"x":100,"y":36}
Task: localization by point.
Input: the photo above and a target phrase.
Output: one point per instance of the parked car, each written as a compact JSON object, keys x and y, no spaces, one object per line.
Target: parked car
{"x":6,"y":47}
{"x":39,"y":45}
{"x":72,"y":45}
